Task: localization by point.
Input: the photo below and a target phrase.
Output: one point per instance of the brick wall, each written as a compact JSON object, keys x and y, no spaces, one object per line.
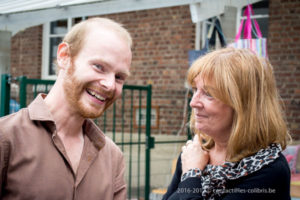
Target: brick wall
{"x":26,"y":52}
{"x":162,"y":38}
{"x":284,"y":54}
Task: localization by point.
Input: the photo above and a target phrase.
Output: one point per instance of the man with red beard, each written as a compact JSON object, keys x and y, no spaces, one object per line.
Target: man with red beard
{"x":52,"y":150}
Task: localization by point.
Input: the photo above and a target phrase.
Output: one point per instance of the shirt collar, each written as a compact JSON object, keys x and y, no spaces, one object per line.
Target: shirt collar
{"x":94,"y":133}
{"x":38,"y":111}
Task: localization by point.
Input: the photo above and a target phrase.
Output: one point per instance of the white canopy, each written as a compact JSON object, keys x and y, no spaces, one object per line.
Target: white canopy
{"x":15,"y":6}
{"x":16,"y":15}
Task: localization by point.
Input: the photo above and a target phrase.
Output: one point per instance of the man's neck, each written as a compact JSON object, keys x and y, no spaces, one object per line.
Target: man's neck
{"x":66,"y":120}
{"x":68,"y":123}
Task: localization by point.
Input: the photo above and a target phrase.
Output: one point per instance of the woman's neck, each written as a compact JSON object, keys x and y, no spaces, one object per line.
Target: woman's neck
{"x":218,"y":154}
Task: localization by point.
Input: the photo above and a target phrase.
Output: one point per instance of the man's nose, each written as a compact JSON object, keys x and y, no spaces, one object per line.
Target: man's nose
{"x":108,"y":82}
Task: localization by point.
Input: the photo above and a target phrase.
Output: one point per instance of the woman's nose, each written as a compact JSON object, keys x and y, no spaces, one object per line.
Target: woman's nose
{"x":196,"y":100}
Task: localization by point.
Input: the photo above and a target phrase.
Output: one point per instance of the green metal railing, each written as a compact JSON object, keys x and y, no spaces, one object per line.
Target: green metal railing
{"x":130,"y":138}
{"x":5,"y":94}
{"x":134,"y":98}
{"x":36,"y":83}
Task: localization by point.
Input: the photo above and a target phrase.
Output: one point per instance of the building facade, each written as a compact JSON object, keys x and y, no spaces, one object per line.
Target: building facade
{"x":162,"y":38}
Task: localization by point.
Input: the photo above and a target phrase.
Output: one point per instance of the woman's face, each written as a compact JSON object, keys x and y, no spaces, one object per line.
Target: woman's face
{"x":212,"y":116}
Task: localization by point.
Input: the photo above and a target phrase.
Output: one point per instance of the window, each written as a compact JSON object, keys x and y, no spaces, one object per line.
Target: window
{"x":53,"y":33}
{"x":230,"y":20}
{"x":261,"y":14}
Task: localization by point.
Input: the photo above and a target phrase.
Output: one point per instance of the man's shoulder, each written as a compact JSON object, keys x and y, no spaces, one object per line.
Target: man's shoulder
{"x":106,"y":144}
{"x":11,"y":125}
{"x":109,"y":143}
{"x":14,"y":116}
{"x":10,"y":121}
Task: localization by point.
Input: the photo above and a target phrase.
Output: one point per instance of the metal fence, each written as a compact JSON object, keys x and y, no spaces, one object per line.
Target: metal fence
{"x":127,"y":122}
{"x":118,"y":122}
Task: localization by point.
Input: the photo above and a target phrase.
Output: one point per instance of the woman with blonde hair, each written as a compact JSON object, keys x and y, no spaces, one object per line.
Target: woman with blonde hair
{"x":239,"y":129}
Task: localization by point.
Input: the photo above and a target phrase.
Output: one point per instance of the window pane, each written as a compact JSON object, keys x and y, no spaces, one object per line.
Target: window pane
{"x":263,"y":25}
{"x":260,"y":8}
{"x":76,"y":20}
{"x":54,"y":42}
{"x":59,"y":27}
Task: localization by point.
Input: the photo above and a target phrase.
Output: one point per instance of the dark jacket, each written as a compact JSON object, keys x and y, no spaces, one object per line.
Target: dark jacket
{"x":270,"y":182}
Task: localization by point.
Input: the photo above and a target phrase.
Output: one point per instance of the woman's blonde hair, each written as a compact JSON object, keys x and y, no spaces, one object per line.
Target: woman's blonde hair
{"x":246,"y":83}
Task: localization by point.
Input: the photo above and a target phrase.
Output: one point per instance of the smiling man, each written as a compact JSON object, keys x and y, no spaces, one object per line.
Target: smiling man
{"x":52,"y":150}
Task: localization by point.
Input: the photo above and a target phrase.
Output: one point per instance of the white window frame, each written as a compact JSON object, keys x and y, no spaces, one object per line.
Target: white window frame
{"x":201,"y":26}
{"x":204,"y":30}
{"x":46,"y":48}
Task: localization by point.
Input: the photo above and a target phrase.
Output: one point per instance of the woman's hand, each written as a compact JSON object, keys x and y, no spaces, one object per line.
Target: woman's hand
{"x":193,"y":156}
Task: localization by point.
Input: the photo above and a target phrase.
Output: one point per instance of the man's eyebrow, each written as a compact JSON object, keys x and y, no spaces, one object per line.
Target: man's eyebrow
{"x":103,"y":62}
{"x":100,"y":60}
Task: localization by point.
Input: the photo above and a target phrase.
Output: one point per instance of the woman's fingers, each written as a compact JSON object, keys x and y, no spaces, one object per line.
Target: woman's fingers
{"x":197,"y":139}
{"x":193,"y":156}
{"x":189,"y":142}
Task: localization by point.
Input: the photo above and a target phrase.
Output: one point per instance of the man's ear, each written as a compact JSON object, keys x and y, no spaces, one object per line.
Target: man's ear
{"x":63,"y":55}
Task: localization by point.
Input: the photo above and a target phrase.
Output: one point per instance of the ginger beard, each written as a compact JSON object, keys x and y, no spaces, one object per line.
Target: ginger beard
{"x":75,"y":88}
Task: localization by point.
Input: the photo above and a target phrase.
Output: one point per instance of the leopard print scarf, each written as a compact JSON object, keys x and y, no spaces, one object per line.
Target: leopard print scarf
{"x":214,"y":178}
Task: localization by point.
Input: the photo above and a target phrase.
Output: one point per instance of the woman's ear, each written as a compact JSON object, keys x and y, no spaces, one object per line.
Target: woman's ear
{"x":63,"y":56}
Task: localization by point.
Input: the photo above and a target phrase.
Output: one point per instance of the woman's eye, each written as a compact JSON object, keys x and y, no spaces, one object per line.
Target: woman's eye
{"x":206,"y":93}
{"x":194,"y":90}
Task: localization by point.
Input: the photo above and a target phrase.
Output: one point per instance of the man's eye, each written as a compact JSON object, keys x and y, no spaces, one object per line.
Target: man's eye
{"x":99,"y":67}
{"x":120,"y":77}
